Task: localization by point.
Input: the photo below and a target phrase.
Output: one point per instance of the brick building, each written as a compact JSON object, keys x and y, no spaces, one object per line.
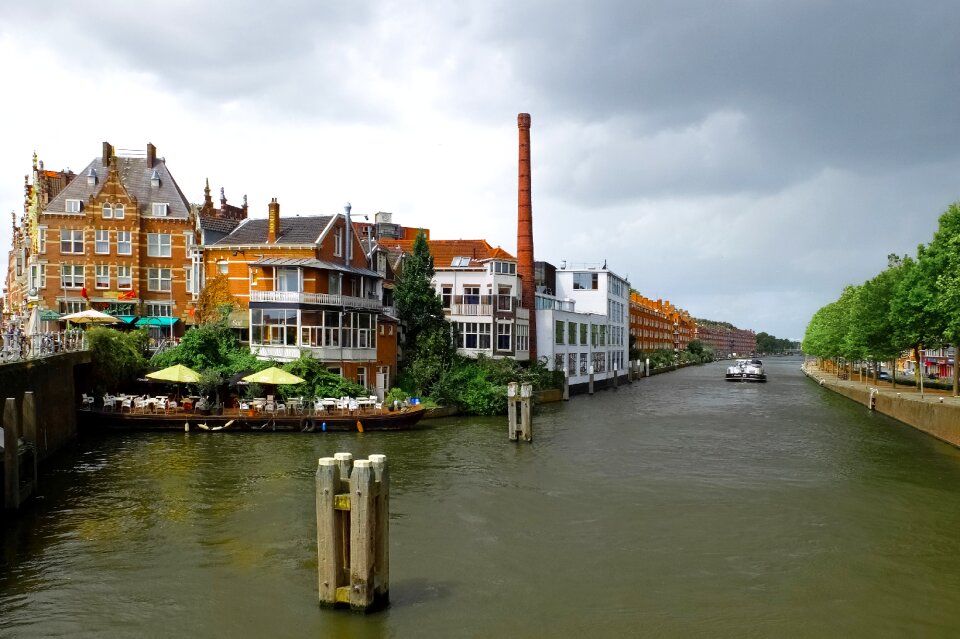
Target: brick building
{"x":659,"y":325}
{"x":306,"y":286}
{"x":726,"y":340}
{"x":118,"y":238}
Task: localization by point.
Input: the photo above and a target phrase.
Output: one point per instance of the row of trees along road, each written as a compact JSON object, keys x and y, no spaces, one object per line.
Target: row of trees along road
{"x":912,"y":305}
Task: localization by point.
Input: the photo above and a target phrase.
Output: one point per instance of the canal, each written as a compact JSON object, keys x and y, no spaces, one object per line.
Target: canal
{"x":680,"y":506}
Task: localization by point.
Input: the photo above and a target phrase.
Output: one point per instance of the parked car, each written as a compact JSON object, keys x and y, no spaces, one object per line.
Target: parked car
{"x":884,"y":375}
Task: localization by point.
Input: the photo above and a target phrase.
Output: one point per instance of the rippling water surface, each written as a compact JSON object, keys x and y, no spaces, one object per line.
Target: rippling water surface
{"x":679,"y":506}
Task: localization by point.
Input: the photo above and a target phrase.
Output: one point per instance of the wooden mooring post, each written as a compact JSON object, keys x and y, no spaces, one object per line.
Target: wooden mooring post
{"x":19,"y":426}
{"x":524,"y":402}
{"x":353,"y":531}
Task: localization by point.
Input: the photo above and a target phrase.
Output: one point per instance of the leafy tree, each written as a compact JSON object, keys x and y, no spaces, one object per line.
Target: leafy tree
{"x":418,"y":305}
{"x":943,"y":255}
{"x":211,"y":346}
{"x":117,"y":356}
{"x":318,"y":381}
{"x":216,"y":301}
{"x":914,"y":315}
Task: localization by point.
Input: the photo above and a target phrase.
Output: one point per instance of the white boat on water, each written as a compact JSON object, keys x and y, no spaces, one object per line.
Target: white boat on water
{"x":746,"y":370}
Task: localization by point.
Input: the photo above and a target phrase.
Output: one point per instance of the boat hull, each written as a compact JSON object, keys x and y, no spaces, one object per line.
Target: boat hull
{"x":746,"y":377}
{"x":232,"y":421}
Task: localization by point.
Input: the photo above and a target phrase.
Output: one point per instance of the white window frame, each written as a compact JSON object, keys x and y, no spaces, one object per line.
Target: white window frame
{"x":505,"y":329}
{"x":42,"y":239}
{"x":106,"y":212}
{"x":338,"y":242}
{"x":101,"y":238}
{"x":128,"y":242}
{"x":156,"y":282}
{"x":118,"y":212}
{"x":159,"y":309}
{"x":124,"y":277}
{"x":68,"y":276}
{"x":102,"y":271}
{"x":159,"y":245}
{"x":72,"y":241}
{"x":72,"y":205}
{"x":188,"y":278}
{"x":160,"y":209}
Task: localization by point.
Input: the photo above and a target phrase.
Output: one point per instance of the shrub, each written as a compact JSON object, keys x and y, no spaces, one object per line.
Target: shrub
{"x":117,"y":356}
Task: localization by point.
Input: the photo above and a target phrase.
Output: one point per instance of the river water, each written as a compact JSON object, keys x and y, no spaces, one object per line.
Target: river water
{"x":679,"y":506}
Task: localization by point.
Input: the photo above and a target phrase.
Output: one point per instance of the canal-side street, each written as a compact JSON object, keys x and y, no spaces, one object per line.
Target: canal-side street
{"x":679,"y":506}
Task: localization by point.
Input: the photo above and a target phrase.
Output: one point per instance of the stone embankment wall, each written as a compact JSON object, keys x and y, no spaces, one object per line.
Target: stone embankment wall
{"x":52,"y":381}
{"x":928,"y":414}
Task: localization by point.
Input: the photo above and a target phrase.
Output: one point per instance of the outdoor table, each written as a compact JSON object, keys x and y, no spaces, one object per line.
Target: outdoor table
{"x":295,"y":404}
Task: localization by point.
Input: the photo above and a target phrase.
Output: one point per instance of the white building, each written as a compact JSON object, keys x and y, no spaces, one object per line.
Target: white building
{"x":480,"y":290}
{"x":582,"y":321}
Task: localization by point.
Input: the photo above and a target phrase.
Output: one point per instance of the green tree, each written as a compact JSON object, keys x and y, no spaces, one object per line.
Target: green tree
{"x":914,"y":315}
{"x":418,"y":306}
{"x":943,"y":254}
{"x":117,"y":356}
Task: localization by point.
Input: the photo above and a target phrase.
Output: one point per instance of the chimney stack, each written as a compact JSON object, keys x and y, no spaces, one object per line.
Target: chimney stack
{"x":348,"y":243}
{"x":151,"y":155}
{"x":525,"y":230}
{"x":273,"y":221}
{"x":107,"y":153}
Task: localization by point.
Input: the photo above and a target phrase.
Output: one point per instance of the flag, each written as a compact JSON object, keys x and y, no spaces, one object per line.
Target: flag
{"x":83,"y":293}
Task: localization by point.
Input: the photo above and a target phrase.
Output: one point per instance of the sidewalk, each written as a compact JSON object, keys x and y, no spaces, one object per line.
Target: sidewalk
{"x":936,"y":412}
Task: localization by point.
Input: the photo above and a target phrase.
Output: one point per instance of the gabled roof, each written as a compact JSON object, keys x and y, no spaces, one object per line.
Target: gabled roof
{"x":444,"y":251}
{"x":218,"y":224}
{"x":293,"y":230}
{"x":135,"y":176}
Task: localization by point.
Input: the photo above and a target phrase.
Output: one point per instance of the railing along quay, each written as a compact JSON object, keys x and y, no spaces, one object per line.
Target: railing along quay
{"x":25,"y":347}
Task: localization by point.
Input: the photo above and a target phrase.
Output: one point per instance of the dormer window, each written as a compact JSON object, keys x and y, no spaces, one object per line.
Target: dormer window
{"x":155,"y":179}
{"x":91,"y":177}
{"x":72,"y":206}
{"x":160,"y":209}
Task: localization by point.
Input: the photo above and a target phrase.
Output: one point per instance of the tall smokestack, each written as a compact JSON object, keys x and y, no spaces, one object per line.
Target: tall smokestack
{"x":273,"y":221}
{"x":348,"y":240}
{"x":525,"y":230}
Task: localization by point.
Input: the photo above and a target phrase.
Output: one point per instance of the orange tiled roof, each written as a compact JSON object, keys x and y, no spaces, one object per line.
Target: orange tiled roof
{"x":443,"y":251}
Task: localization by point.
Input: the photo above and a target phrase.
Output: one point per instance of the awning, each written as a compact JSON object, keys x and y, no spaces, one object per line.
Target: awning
{"x":157,"y":321}
{"x":126,"y":318}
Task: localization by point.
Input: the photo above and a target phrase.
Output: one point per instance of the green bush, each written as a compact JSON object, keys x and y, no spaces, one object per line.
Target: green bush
{"x":318,"y":381}
{"x":117,"y":356}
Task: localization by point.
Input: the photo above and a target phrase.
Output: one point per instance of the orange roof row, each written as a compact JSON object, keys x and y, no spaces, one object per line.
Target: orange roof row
{"x":443,"y":251}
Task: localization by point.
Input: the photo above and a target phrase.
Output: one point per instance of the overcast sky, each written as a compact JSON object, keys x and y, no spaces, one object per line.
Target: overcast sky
{"x":744,"y":160}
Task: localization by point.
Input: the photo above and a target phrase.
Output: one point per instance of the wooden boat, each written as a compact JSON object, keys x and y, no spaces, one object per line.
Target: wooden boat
{"x":234,"y":420}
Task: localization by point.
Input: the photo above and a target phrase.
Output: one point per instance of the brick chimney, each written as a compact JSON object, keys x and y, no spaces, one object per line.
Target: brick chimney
{"x":525,"y":230}
{"x":273,"y":221}
{"x":107,"y":152}
{"x":151,"y":155}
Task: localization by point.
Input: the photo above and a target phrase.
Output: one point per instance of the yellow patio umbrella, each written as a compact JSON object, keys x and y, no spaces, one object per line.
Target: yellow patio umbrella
{"x":176,"y":373}
{"x":273,"y":375}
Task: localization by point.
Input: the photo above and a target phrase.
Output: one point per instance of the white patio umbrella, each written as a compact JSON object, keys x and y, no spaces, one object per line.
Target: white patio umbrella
{"x":33,"y":324}
{"x":91,"y":316}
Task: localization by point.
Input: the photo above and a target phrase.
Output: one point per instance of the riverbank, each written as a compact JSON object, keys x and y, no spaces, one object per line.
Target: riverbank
{"x":935,"y":412}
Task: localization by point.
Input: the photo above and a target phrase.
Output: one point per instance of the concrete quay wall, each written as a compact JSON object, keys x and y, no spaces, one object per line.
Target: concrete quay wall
{"x":927,"y":414}
{"x":52,"y":380}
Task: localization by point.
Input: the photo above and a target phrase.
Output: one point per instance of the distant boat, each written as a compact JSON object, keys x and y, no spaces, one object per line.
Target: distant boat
{"x":746,"y":370}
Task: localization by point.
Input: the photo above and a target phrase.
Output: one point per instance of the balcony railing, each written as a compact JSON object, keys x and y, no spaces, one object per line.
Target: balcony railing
{"x":480,"y":305}
{"x":315,"y":298}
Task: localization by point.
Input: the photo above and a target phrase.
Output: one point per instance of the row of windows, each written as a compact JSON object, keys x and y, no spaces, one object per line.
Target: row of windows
{"x":478,"y":336}
{"x":72,"y":242}
{"x":116,"y":211}
{"x":580,"y":363}
{"x":72,"y":276}
{"x":281,"y":327}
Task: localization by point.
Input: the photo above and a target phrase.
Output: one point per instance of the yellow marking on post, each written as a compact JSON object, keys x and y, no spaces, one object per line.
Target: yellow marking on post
{"x":341,"y":502}
{"x":343,"y":595}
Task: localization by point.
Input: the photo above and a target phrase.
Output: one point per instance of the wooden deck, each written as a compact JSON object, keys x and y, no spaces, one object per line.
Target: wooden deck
{"x":235,"y":420}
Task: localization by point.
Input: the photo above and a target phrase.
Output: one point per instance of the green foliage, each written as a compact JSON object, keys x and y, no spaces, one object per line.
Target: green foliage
{"x":211,"y":346}
{"x":117,"y":356}
{"x":659,"y":358}
{"x":209,"y":384}
{"x":695,"y":347}
{"x":418,"y":306}
{"x":396,"y":394}
{"x":427,"y":361}
{"x":767,"y":343}
{"x":318,"y":381}
{"x":475,"y":387}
